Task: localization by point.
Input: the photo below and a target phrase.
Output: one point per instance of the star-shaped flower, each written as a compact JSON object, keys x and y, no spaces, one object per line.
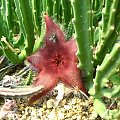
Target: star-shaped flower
{"x":56,"y":61}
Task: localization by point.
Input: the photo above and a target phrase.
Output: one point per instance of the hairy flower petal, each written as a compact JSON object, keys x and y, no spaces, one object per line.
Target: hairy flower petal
{"x":49,"y":81}
{"x":71,"y":45}
{"x":53,"y":33}
{"x":72,"y":77}
{"x":38,"y":60}
{"x":57,"y":61}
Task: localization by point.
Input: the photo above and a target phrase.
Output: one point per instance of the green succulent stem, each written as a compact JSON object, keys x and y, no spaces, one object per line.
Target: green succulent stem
{"x":56,"y":9}
{"x":24,"y":13}
{"x":39,"y":41}
{"x":110,"y":26}
{"x":103,"y":72}
{"x":9,"y":51}
{"x":83,"y":29}
{"x":36,"y":12}
{"x":66,"y":7}
{"x":44,"y":5}
{"x":96,"y":4}
{"x":98,"y":103}
{"x":101,"y":110}
{"x":49,"y":4}
{"x":6,"y":12}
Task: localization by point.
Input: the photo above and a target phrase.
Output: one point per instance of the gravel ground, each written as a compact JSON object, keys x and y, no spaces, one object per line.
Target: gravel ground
{"x":72,"y":107}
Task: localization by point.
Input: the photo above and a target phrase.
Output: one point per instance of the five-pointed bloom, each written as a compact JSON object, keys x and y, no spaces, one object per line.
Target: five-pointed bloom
{"x":56,"y":61}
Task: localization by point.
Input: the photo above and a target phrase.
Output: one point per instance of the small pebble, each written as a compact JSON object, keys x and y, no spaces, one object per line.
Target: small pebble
{"x":63,"y":102}
{"x":61,"y":115}
{"x":74,"y":117}
{"x":34,"y":118}
{"x":23,"y":117}
{"x":78,"y":117}
{"x":40,"y":113}
{"x":47,"y":111}
{"x":33,"y":113}
{"x":68,"y":115}
{"x":44,"y":105}
{"x":50,"y":103}
{"x":62,"y":109}
{"x":67,"y":107}
{"x":51,"y":116}
{"x":74,"y":101}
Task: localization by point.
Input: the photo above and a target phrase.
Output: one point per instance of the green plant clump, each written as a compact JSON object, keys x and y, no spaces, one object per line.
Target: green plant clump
{"x":95,"y":24}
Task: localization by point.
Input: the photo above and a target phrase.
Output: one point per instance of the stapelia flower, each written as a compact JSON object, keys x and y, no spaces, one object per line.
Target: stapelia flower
{"x":56,"y":61}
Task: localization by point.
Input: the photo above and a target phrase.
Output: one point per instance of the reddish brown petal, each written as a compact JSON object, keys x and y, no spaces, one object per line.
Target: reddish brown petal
{"x":56,"y":60}
{"x":71,"y":46}
{"x":39,"y":59}
{"x":72,"y":76}
{"x":49,"y":81}
{"x":53,"y":32}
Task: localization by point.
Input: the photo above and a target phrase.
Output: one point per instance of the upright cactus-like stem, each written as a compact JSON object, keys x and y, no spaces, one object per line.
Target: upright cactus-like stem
{"x":39,"y":8}
{"x":3,"y":31}
{"x":36,"y":12}
{"x":24,"y":13}
{"x":96,"y":4}
{"x":110,"y":25}
{"x":44,"y":5}
{"x":103,"y":72}
{"x":39,"y":42}
{"x":49,"y":4}
{"x":6,"y":11}
{"x":66,"y":8}
{"x":83,"y":27}
{"x":56,"y":9}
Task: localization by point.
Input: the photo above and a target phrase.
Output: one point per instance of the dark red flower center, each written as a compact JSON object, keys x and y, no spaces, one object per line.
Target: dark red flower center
{"x":58,"y":60}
